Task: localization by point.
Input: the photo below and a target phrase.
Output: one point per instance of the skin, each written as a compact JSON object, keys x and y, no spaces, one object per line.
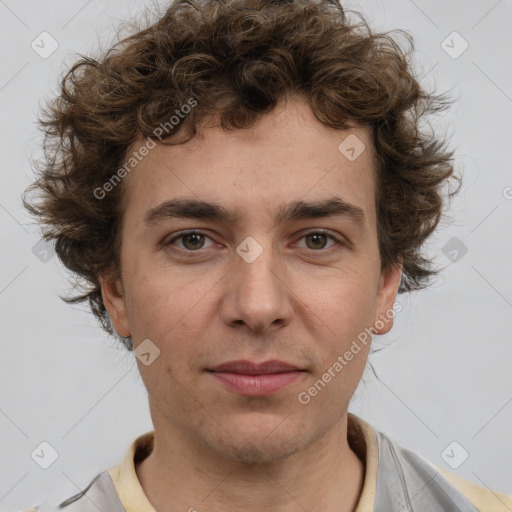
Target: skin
{"x":303,"y":301}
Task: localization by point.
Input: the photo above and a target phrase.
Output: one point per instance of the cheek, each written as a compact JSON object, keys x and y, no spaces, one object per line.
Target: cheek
{"x":346,"y":301}
{"x":149,"y":306}
{"x":167,"y":305}
{"x":346,"y":308}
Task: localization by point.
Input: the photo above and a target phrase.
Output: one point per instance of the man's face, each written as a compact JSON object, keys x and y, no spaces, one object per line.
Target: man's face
{"x":210,"y":298}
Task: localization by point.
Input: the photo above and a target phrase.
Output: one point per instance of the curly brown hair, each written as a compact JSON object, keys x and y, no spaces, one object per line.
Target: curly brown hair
{"x":237,"y":59}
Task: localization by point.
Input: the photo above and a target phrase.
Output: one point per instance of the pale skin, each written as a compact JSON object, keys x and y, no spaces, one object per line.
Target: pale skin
{"x":303,"y":300}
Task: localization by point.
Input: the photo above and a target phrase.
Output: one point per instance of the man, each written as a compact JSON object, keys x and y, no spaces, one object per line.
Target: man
{"x":245,"y":188}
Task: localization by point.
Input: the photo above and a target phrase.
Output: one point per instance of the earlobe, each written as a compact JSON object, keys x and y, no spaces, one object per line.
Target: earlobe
{"x":114,"y":301}
{"x":389,"y":284}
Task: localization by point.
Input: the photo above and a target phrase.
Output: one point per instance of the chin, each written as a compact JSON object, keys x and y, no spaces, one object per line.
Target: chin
{"x":259,"y":442}
{"x":263,"y":451}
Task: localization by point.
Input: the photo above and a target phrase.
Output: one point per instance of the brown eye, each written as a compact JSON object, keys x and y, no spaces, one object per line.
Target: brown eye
{"x":317,"y":240}
{"x":191,"y":241}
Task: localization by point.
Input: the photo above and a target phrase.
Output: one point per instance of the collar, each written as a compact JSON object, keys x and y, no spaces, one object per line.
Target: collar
{"x":361,"y":438}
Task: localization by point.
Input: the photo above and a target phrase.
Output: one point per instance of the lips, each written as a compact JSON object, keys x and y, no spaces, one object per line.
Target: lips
{"x":251,"y":368}
{"x":248,"y":378}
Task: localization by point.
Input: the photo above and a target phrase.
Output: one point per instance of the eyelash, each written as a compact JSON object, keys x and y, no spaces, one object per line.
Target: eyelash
{"x":198,"y":251}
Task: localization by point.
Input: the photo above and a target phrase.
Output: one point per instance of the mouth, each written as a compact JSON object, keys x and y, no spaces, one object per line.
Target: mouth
{"x":249,"y":378}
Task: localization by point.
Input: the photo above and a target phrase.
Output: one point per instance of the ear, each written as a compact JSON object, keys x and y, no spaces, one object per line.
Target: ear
{"x":113,"y":298}
{"x":388,"y":289}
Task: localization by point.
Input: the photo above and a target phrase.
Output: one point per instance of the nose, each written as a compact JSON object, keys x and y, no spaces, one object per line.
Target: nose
{"x":257,"y":294}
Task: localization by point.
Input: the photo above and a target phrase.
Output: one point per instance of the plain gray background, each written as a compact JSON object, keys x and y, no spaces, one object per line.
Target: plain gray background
{"x":445,"y":375}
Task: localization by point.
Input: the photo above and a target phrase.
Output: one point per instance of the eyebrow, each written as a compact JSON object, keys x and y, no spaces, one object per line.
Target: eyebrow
{"x":196,"y":209}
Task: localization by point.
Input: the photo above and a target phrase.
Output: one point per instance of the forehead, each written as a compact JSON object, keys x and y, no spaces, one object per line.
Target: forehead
{"x":287,"y":156}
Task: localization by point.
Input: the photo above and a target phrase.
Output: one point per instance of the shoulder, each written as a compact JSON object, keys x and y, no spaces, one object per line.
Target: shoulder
{"x":482,"y":497}
{"x":407,"y":479}
{"x":99,"y":494}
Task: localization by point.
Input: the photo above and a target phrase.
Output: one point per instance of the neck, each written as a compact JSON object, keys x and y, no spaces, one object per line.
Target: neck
{"x":327,"y":475}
